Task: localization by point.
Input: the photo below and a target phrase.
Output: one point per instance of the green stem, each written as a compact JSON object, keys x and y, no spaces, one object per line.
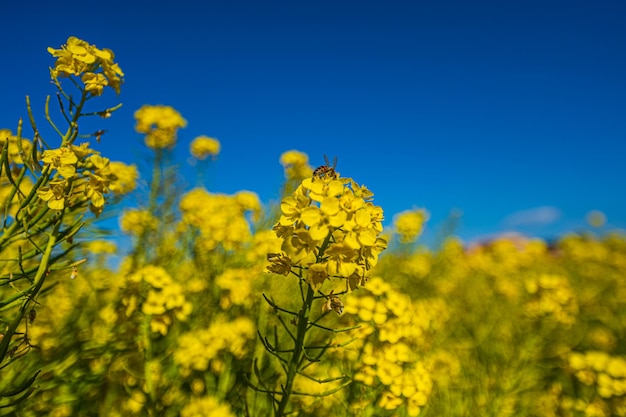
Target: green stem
{"x":147,"y":371}
{"x":298,"y":351}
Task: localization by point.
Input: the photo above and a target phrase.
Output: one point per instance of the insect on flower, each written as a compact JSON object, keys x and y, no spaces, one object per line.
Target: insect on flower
{"x":326,"y":170}
{"x":333,"y":303}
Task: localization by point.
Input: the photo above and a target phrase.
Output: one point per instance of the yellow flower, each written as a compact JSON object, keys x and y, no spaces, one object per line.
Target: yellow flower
{"x":136,"y":222}
{"x":160,"y":124}
{"x":203,"y":147}
{"x":78,"y":57}
{"x":62,"y":159}
{"x":54,"y":194}
{"x":296,"y":164}
{"x":596,"y":218}
{"x":94,"y":83}
{"x":150,"y":117}
{"x":123,"y":177}
{"x":333,"y":222}
{"x":100,"y":247}
{"x":409,"y":224}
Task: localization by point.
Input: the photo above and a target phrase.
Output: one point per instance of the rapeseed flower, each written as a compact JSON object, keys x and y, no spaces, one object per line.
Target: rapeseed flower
{"x":296,"y":165}
{"x":330,"y":227}
{"x":409,"y":224}
{"x":96,"y":66}
{"x":203,"y":146}
{"x":160,"y":124}
{"x":136,"y":222}
{"x":63,"y":160}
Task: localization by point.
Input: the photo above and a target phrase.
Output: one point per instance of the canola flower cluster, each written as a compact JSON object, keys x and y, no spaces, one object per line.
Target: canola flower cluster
{"x":220,"y":219}
{"x":96,"y":67}
{"x":160,"y":124}
{"x":410,"y":224}
{"x":81,"y":175}
{"x":393,"y":339}
{"x":551,"y":295}
{"x":330,"y":227}
{"x":208,"y":406}
{"x":296,"y":165}
{"x":203,"y":146}
{"x":204,"y":349}
{"x":165,"y":298}
{"x":605,"y":372}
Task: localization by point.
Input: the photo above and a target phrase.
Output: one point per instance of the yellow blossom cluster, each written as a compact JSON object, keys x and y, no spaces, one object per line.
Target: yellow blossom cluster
{"x":206,"y":407}
{"x":203,"y":146}
{"x":296,"y":165}
{"x":409,"y":224}
{"x":330,"y":227}
{"x":81,"y":175}
{"x":137,"y":221}
{"x":596,"y":368}
{"x":164,"y":298}
{"x":236,"y":285}
{"x":95,"y":66}
{"x":551,"y":295}
{"x":160,"y":124}
{"x":201,"y":348}
{"x":220,"y":218}
{"x":392,"y":343}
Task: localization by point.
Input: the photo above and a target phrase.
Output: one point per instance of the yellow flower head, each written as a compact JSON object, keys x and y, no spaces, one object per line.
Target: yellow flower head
{"x":296,"y":165}
{"x":409,"y":224}
{"x":160,"y":124}
{"x":203,"y":147}
{"x":63,"y":160}
{"x":333,"y":221}
{"x":123,"y":177}
{"x":95,"y":66}
{"x":136,"y":222}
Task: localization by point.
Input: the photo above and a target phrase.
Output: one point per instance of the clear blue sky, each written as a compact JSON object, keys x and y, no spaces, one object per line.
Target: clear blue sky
{"x":513,"y":112}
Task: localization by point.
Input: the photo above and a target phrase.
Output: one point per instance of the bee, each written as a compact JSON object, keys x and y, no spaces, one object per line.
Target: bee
{"x":326,"y":170}
{"x":333,"y":303}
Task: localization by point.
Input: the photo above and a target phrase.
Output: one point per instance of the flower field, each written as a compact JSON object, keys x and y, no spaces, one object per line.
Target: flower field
{"x":220,"y":306}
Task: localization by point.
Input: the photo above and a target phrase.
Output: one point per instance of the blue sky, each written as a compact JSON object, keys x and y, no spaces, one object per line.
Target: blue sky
{"x":512,"y":112}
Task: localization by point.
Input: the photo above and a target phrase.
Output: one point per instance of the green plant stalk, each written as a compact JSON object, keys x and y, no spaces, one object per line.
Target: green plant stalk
{"x":39,"y":280}
{"x":147,"y":372}
{"x":298,"y":351}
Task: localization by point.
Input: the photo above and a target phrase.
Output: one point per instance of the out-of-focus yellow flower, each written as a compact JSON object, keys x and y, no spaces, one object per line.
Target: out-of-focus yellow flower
{"x":296,"y":165}
{"x":160,"y":124}
{"x":203,"y":146}
{"x":596,"y":218}
{"x":123,"y":177}
{"x":97,"y":66}
{"x":197,"y":349}
{"x":206,"y":407}
{"x":220,"y":218}
{"x":136,"y":222}
{"x":100,"y":247}
{"x":409,"y":224}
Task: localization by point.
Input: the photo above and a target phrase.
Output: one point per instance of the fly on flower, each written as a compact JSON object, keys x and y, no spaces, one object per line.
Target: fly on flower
{"x":333,"y":303}
{"x":326,"y":170}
